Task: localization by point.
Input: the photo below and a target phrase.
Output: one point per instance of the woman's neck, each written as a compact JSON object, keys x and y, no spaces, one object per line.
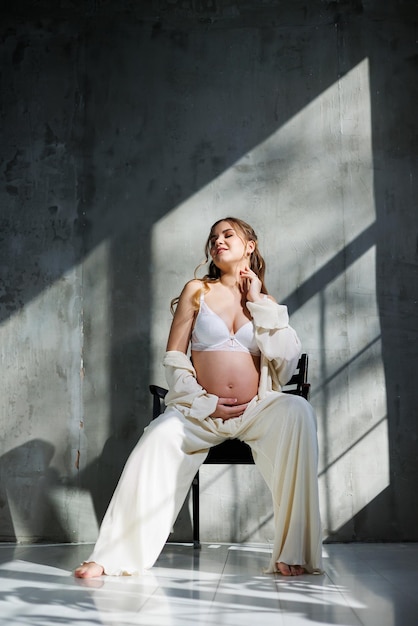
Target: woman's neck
{"x":230,"y":273}
{"x":231,"y":278}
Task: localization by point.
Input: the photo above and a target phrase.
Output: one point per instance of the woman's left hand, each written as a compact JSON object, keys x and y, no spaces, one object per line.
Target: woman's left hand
{"x":250,"y":284}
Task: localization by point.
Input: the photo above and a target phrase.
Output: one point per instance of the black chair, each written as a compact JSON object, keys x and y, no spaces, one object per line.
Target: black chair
{"x":231,"y":451}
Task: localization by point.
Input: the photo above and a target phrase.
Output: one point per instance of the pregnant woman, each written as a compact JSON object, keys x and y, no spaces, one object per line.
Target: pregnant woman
{"x":242,"y":352}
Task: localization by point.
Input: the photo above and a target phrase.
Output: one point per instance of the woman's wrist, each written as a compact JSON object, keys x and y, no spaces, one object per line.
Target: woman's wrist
{"x":261,"y":297}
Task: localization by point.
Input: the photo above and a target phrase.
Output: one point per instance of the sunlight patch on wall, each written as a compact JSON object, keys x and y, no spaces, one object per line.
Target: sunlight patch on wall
{"x":308,"y":191}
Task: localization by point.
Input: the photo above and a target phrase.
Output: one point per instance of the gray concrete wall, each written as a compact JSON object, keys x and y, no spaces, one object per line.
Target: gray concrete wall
{"x":127,"y":129}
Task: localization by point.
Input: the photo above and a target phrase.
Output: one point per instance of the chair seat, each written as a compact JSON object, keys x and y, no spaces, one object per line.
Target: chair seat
{"x":230,"y":451}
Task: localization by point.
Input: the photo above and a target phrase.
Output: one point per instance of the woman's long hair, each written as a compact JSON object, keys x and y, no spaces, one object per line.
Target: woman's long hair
{"x":256,"y":261}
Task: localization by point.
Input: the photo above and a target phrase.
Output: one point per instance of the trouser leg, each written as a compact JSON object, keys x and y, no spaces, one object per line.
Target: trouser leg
{"x":284,"y":443}
{"x":150,"y":493}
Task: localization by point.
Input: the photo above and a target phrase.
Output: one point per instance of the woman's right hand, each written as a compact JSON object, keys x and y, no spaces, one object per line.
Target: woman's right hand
{"x":227,"y":409}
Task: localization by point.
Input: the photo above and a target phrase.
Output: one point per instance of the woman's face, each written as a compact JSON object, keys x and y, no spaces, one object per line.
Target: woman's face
{"x":227,"y":244}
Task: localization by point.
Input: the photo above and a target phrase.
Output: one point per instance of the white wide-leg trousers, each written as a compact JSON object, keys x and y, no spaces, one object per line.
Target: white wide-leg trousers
{"x":281,"y":430}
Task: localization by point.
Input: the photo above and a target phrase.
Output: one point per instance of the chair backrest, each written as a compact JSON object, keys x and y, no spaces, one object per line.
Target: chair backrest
{"x":158,"y":395}
{"x":297,"y":385}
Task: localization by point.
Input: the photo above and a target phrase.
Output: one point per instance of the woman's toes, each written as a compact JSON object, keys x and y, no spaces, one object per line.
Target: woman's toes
{"x":289,"y":570}
{"x":283,"y":569}
{"x":89,"y":570}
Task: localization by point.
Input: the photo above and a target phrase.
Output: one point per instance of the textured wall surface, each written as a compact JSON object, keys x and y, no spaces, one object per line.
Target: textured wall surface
{"x":127,"y":129}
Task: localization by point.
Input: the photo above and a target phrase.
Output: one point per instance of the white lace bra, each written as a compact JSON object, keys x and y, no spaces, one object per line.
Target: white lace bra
{"x":210,"y":333}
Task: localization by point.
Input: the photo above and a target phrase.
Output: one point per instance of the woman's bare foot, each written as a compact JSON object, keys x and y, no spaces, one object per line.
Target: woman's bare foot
{"x":289,"y":570}
{"x":89,"y":570}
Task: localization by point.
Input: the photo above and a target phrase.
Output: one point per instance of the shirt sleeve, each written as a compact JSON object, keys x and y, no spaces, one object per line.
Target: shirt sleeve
{"x":276,"y":339}
{"x":183,"y":388}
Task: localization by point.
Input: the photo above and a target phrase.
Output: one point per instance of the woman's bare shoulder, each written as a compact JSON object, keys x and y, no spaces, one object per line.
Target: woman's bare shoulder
{"x":191,"y":287}
{"x":190,"y":291}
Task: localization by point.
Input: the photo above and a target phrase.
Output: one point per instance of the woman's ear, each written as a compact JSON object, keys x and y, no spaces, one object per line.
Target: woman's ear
{"x":250,"y":247}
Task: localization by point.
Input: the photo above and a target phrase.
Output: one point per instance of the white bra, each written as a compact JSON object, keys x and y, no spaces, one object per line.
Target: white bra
{"x":210,"y":333}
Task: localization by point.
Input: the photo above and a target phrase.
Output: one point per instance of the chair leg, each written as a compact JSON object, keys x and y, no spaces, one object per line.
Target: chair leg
{"x":196,"y":512}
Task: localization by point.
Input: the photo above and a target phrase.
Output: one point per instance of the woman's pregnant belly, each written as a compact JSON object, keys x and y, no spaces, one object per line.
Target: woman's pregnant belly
{"x":228,"y":374}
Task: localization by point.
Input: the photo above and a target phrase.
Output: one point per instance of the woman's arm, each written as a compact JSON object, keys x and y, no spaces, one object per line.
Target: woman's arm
{"x":277,"y":340}
{"x":183,"y":388}
{"x":182,"y":324}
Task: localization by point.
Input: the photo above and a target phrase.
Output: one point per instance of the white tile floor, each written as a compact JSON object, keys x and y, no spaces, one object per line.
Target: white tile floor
{"x":220,"y":585}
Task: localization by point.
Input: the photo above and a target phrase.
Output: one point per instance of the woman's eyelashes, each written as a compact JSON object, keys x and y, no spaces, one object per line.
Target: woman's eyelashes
{"x":214,"y":239}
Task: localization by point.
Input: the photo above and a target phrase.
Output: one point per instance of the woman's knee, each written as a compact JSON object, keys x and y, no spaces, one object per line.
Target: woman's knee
{"x":298,"y":409}
{"x":304,"y":411}
{"x":166,"y":428}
